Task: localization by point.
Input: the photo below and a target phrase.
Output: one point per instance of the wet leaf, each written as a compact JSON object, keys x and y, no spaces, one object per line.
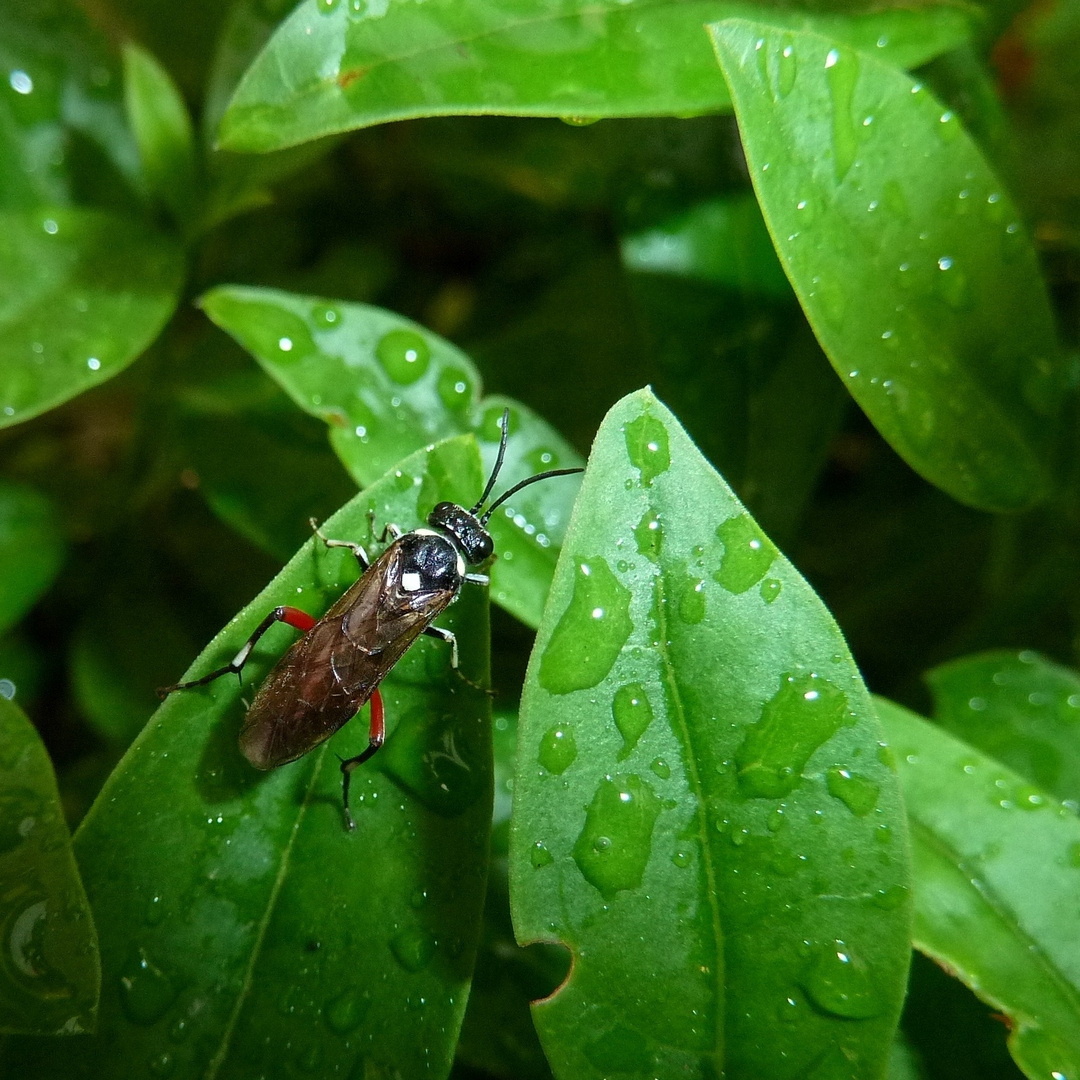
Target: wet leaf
{"x":993,"y":857}
{"x":334,"y":66}
{"x":32,"y":550}
{"x":49,"y":972}
{"x":1019,"y":708}
{"x":700,"y":810}
{"x":82,"y":293}
{"x":387,"y":386}
{"x":280,"y":940}
{"x":908,"y":257}
{"x":159,"y":118}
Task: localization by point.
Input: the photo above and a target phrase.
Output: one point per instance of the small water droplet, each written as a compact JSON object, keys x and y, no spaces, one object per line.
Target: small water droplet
{"x":681,"y":858}
{"x":649,"y":535}
{"x":404,"y":354}
{"x":557,"y":749}
{"x":540,"y":856}
{"x":145,"y":990}
{"x":692,"y":601}
{"x":787,"y":66}
{"x":456,"y":389}
{"x":20,"y":82}
{"x":661,"y":768}
{"x":163,"y":1064}
{"x":842,"y":72}
{"x":647,"y":446}
{"x":839,"y":982}
{"x":633,"y":713}
{"x":285,"y":344}
{"x":770,"y":589}
{"x":856,"y":792}
{"x":93,"y":363}
{"x":345,"y":1012}
{"x":413,"y":948}
{"x":748,"y":554}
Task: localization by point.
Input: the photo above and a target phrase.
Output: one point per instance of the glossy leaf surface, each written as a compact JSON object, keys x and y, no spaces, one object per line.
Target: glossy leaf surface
{"x":334,"y":65}
{"x":1019,"y":708}
{"x":908,"y":258}
{"x":700,"y":810}
{"x":387,"y":386}
{"x":49,"y":973}
{"x":993,"y":857}
{"x":281,"y":941}
{"x":82,"y":293}
{"x":31,"y":550}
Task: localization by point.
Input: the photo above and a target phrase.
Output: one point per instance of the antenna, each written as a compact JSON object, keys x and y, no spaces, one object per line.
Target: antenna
{"x":498,"y":462}
{"x":524,"y":483}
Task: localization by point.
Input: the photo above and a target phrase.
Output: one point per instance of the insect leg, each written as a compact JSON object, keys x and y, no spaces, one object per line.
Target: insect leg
{"x":293,"y":616}
{"x":376,"y":734}
{"x":478,"y":579}
{"x":448,"y":637}
{"x":356,"y":549}
{"x":389,"y":529}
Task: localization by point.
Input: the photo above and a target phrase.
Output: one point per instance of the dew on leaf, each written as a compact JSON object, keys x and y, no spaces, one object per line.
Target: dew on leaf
{"x":557,"y":749}
{"x":404,"y":354}
{"x":692,"y":601}
{"x":839,"y":982}
{"x":540,"y":856}
{"x":842,"y":72}
{"x":856,"y":792}
{"x":770,"y":589}
{"x":647,"y":446}
{"x":748,"y":554}
{"x":455,"y":388}
{"x":633,"y":713}
{"x":413,"y":948}
{"x":490,"y":429}
{"x":649,"y":535}
{"x":345,"y":1011}
{"x":146,"y":992}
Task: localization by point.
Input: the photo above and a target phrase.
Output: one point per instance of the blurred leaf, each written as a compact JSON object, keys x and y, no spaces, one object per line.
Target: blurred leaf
{"x":22,"y":669}
{"x":903,"y":1061}
{"x":1019,"y":708}
{"x":993,"y":858}
{"x":907,"y":257}
{"x":698,"y":787}
{"x":281,"y":941}
{"x":162,"y":127}
{"x":335,"y":66}
{"x":49,"y":973}
{"x":32,"y":550}
{"x":723,"y":241}
{"x":82,"y":293}
{"x":386,"y":387}
{"x":63,"y":137}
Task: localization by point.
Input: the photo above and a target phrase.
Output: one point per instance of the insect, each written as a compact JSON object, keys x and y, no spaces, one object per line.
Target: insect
{"x":336,"y":667}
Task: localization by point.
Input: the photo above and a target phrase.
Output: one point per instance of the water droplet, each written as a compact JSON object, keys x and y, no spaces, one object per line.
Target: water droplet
{"x":804,"y":713}
{"x":404,"y":354}
{"x":681,"y":858}
{"x":413,"y":948}
{"x":50,"y":226}
{"x":583,"y":647}
{"x":490,"y":429}
{"x":540,"y":856}
{"x":558,"y":749}
{"x":692,"y":601}
{"x":179,"y":1030}
{"x":325,"y":315}
{"x":951,"y":283}
{"x":647,"y":446}
{"x":580,"y":121}
{"x":649,"y":535}
{"x":456,"y":388}
{"x":748,"y":554}
{"x":891,"y":898}
{"x":839,"y":983}
{"x":93,"y":363}
{"x":770,"y":589}
{"x":346,"y":1011}
{"x":614,"y":846}
{"x":285,"y":344}
{"x":948,"y":126}
{"x":326,"y":6}
{"x":155,"y":911}
{"x":856,"y":792}
{"x":842,"y":72}
{"x":145,"y":990}
{"x":163,"y":1064}
{"x":633,"y":713}
{"x":661,"y":768}
{"x":20,"y":82}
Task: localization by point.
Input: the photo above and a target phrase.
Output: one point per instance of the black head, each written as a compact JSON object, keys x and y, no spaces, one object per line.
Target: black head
{"x":464,"y":526}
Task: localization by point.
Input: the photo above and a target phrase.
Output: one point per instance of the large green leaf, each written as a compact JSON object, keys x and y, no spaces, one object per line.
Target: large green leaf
{"x":1019,"y":708}
{"x":997,"y":869}
{"x":387,"y":386}
{"x":243,"y":930}
{"x":31,"y":550}
{"x":82,"y":293}
{"x":341,"y":64}
{"x":701,"y":811}
{"x":49,"y":972}
{"x":908,"y":258}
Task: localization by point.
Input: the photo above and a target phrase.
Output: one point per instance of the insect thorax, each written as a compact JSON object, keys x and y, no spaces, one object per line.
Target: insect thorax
{"x":430,"y":561}
{"x":468,"y":535}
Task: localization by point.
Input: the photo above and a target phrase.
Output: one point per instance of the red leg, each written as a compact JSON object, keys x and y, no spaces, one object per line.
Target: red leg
{"x":293,"y":616}
{"x":376,"y":734}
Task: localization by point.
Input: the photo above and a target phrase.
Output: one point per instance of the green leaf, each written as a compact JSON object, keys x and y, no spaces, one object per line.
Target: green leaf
{"x":997,"y":863}
{"x":49,"y":972}
{"x":387,"y":386}
{"x":82,"y":293}
{"x":904,"y":1063}
{"x":907,"y":256}
{"x":32,"y":550}
{"x":162,"y":127}
{"x":1019,"y":708}
{"x":279,"y":940}
{"x":700,"y":811}
{"x":333,"y":66}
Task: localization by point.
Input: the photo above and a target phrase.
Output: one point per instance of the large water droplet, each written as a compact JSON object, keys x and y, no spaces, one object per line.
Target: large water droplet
{"x":346,"y":1011}
{"x":840,"y":983}
{"x":806,"y":711}
{"x":633,"y":713}
{"x":558,"y":749}
{"x":614,"y":846}
{"x":856,"y":792}
{"x":455,"y":388}
{"x":748,"y":554}
{"x":647,"y":445}
{"x":649,"y":535}
{"x":842,"y":72}
{"x":404,"y":354}
{"x":145,"y":990}
{"x":591,"y":632}
{"x":413,"y":948}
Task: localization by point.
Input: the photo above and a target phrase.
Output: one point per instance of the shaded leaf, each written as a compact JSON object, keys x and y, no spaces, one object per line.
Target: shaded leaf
{"x":32,"y":550}
{"x":49,"y":972}
{"x":907,"y":256}
{"x":163,"y":132}
{"x":387,"y":386}
{"x":1019,"y":708}
{"x":336,"y":66}
{"x":280,"y":940}
{"x":993,"y":858}
{"x":904,"y":1062}
{"x":82,"y":293}
{"x":698,"y":775}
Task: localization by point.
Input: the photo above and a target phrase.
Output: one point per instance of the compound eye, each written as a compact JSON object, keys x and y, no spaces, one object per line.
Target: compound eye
{"x":484,"y":548}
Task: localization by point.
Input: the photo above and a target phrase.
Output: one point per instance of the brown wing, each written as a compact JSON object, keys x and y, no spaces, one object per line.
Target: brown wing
{"x":321,"y":682}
